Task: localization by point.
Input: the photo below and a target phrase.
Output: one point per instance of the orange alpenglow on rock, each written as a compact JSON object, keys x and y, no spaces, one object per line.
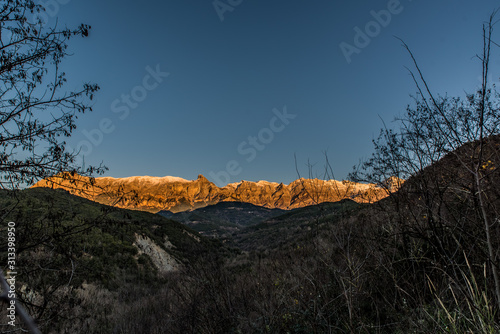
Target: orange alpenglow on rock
{"x":175,"y":194}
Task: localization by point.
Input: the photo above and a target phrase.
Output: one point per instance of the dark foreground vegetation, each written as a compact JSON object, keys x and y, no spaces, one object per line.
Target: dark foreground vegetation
{"x":77,"y":260}
{"x":415,"y":262}
{"x":423,"y":260}
{"x":396,"y":266}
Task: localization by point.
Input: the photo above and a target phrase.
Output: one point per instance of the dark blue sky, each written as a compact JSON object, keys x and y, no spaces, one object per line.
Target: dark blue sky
{"x":225,"y":78}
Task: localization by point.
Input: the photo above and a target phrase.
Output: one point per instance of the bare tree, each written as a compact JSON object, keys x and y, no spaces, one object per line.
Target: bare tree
{"x":437,"y":128}
{"x":36,"y":113}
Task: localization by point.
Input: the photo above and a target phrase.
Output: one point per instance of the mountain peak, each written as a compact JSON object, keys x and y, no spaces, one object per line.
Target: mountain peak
{"x":202,"y":178}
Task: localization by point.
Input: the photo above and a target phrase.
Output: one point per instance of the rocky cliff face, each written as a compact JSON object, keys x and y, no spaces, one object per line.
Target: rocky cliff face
{"x":154,"y":194}
{"x":162,"y":260}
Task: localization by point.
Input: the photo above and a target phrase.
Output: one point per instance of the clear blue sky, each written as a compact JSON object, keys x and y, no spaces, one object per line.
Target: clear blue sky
{"x":227,"y":76}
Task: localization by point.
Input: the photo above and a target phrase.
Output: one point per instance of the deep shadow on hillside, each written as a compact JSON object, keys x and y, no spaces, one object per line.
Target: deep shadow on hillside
{"x":415,"y":262}
{"x":249,"y":227}
{"x":286,"y":228}
{"x":70,"y":250}
{"x":224,"y":218}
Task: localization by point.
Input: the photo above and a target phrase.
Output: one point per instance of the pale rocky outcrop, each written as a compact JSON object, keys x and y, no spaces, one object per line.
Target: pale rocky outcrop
{"x":162,"y":260}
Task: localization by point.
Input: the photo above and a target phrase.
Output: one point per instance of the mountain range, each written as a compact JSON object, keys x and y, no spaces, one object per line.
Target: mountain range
{"x":174,"y":194}
{"x":263,"y":269}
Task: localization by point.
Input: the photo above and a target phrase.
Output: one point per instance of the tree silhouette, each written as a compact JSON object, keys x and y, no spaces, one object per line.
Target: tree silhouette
{"x":454,"y":207}
{"x":36,"y":113}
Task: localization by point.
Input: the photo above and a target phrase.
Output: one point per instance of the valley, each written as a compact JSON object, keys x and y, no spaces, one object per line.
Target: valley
{"x":333,"y":265}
